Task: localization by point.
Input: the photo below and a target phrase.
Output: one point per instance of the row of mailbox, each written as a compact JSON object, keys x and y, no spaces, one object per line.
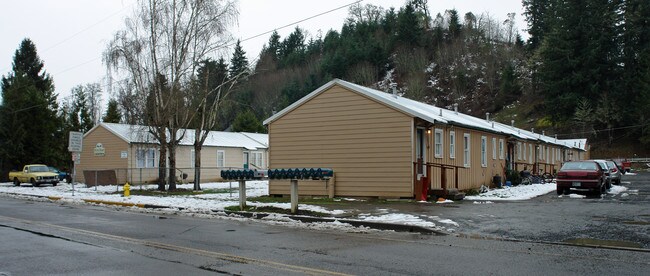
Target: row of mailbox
{"x":295,"y":173}
{"x":301,"y":173}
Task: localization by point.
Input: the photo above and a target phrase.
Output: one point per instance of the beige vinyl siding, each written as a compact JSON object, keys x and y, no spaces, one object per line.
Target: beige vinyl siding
{"x":113,"y":146}
{"x":367,"y":144}
{"x":475,"y":174}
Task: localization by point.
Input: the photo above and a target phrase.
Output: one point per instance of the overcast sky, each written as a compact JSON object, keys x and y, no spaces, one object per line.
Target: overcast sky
{"x":70,"y":35}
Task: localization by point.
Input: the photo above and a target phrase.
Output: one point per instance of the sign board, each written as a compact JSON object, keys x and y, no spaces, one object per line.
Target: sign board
{"x":75,"y":140}
{"x":99,"y":150}
{"x":76,"y":157}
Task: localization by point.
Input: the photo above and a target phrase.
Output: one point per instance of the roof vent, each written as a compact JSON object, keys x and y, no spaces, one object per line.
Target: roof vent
{"x":394,"y":89}
{"x":492,"y":124}
{"x":487,"y":116}
{"x":532,"y":129}
{"x":456,"y":108}
{"x":512,"y":123}
{"x":441,"y":112}
{"x":543,"y":133}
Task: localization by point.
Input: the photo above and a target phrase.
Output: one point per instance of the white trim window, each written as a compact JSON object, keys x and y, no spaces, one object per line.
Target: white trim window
{"x":145,"y":158}
{"x":501,"y":152}
{"x":494,"y":148}
{"x":519,"y":151}
{"x":257,"y":159}
{"x":530,"y":153}
{"x":548,"y":156}
{"x":221,"y":158}
{"x":192,"y":159}
{"x":483,"y":151}
{"x":523,"y":151}
{"x":452,"y":144}
{"x":438,"y":140}
{"x":466,"y":150}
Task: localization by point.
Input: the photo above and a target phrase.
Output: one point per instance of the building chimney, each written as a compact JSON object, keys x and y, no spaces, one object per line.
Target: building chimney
{"x":487,"y":116}
{"x":456,"y":108}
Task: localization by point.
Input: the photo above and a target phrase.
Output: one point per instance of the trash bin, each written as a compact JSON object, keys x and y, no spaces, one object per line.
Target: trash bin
{"x":508,"y":183}
{"x":496,"y":180}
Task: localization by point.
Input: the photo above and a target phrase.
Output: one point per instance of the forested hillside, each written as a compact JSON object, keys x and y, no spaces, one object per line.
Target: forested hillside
{"x":582,"y":72}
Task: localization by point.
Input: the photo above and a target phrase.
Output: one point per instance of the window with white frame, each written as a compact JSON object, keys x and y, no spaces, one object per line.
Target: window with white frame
{"x":145,"y":158}
{"x":483,"y":151}
{"x":494,"y":148}
{"x":192,"y":159}
{"x":452,"y":144}
{"x":530,"y":153}
{"x":501,"y":149}
{"x":523,"y":150}
{"x":466,"y":148}
{"x":548,"y":157}
{"x":257,"y":159}
{"x":437,"y":139}
{"x":221,"y":158}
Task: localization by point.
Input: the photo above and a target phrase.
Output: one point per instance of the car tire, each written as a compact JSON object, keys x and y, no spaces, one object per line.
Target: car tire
{"x":34,"y":184}
{"x":560,"y":191}
{"x":68,"y":179}
{"x":54,"y":184}
{"x":16,"y":182}
{"x":609,"y":185}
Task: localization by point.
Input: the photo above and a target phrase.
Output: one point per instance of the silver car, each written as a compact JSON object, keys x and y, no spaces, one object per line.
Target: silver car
{"x":615,"y":172}
{"x":607,"y":171}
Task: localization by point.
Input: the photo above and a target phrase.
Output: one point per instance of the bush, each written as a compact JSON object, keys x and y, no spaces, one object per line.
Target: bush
{"x":513,"y":176}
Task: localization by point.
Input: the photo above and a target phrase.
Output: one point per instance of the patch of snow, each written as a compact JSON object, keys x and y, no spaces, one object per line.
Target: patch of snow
{"x":520,"y":192}
{"x":616,"y":189}
{"x":448,"y":221}
{"x":444,"y":201}
{"x":482,"y":202}
{"x":397,"y":218}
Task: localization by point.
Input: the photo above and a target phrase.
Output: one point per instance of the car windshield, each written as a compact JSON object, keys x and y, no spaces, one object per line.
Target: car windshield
{"x":38,"y":169}
{"x":586,"y":166}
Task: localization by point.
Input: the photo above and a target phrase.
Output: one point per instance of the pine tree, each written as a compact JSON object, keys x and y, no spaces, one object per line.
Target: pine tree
{"x":247,"y":122}
{"x":537,"y":14}
{"x":30,"y":130}
{"x":239,"y":63}
{"x":112,"y":113}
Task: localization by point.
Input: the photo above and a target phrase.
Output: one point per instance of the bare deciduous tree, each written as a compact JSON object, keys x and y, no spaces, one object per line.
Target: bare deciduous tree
{"x":159,"y":52}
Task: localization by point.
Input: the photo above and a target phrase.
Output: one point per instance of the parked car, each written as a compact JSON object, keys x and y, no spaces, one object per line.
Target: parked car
{"x":581,"y":175}
{"x":62,"y":174}
{"x":606,"y":169}
{"x":36,"y":174}
{"x":615,"y":172}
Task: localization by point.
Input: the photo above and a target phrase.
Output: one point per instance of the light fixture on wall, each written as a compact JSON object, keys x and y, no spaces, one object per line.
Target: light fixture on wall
{"x":428,"y":131}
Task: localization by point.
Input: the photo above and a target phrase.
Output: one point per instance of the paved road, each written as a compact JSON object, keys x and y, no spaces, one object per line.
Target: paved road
{"x":56,"y":238}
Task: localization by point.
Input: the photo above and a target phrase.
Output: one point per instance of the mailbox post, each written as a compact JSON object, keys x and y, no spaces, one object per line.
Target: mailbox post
{"x":242,"y":195}
{"x":294,"y":196}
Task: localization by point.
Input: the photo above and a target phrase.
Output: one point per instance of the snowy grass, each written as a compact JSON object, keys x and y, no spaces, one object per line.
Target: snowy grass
{"x":520,"y":192}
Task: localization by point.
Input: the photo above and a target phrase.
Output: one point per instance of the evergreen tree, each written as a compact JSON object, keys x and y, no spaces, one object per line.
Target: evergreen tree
{"x":30,"y":130}
{"x":247,"y":122}
{"x":112,"y":113}
{"x":538,"y":16}
{"x":239,"y":63}
{"x":409,"y":29}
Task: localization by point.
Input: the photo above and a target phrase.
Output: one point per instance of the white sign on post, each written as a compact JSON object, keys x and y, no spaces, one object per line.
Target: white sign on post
{"x":75,"y":141}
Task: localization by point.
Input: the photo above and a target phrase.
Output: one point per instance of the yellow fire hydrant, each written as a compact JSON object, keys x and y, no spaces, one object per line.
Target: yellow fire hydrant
{"x":127,"y":189}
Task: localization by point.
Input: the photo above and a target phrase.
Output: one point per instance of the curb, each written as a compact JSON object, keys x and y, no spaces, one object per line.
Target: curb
{"x":355,"y":223}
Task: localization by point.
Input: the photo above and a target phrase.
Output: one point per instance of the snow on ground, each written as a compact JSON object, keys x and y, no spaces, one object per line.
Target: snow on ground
{"x":213,"y":204}
{"x":520,"y":192}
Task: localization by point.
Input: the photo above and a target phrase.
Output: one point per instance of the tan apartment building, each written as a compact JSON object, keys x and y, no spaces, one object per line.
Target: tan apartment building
{"x":383,"y":145}
{"x":133,"y":153}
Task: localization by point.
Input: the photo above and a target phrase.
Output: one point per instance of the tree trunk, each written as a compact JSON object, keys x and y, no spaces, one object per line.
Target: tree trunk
{"x":172,"y":167}
{"x":197,"y":167}
{"x":162,"y":168}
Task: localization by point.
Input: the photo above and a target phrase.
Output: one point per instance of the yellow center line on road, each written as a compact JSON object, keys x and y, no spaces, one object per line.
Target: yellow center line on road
{"x":183,"y":249}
